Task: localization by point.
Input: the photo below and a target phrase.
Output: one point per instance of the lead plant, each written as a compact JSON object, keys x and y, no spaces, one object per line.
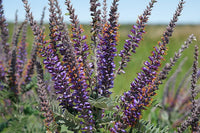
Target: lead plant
{"x":63,"y":64}
{"x":84,"y":72}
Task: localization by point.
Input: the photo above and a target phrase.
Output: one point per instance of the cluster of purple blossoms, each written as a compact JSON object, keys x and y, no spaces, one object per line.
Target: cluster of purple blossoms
{"x":106,"y":51}
{"x":68,"y":73}
{"x":105,"y":54}
{"x":70,"y":84}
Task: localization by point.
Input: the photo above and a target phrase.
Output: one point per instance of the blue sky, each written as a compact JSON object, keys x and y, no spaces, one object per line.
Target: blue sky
{"x":128,"y":9}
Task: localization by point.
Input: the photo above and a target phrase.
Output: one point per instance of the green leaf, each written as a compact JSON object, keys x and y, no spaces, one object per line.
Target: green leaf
{"x":66,"y":119}
{"x":146,"y":127}
{"x":103,"y":103}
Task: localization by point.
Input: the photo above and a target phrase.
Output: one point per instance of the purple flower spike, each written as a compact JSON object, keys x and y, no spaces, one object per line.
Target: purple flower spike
{"x":22,"y":54}
{"x":106,"y":66}
{"x":134,"y":40}
{"x":80,"y":46}
{"x":142,"y":89}
{"x":4,"y":46}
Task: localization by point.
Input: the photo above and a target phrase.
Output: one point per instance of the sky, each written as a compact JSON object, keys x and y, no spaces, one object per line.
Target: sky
{"x":128,"y":10}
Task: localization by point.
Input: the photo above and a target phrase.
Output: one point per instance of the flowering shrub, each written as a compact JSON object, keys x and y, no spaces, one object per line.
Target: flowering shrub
{"x":83,"y":72}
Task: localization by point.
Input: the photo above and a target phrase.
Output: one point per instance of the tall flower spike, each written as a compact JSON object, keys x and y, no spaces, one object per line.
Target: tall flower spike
{"x":106,"y":53}
{"x":38,"y":39}
{"x":53,"y":21}
{"x":4,"y":46}
{"x":13,"y":64}
{"x":35,"y":28}
{"x":79,"y":41}
{"x":193,"y":120}
{"x":80,"y":46}
{"x":194,"y":123}
{"x":29,"y":68}
{"x":113,"y":16}
{"x":42,"y":94}
{"x":165,"y":40}
{"x":61,"y":28}
{"x":139,"y":96}
{"x":21,"y":53}
{"x":95,"y":30}
{"x":11,"y":75}
{"x":134,"y":40}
